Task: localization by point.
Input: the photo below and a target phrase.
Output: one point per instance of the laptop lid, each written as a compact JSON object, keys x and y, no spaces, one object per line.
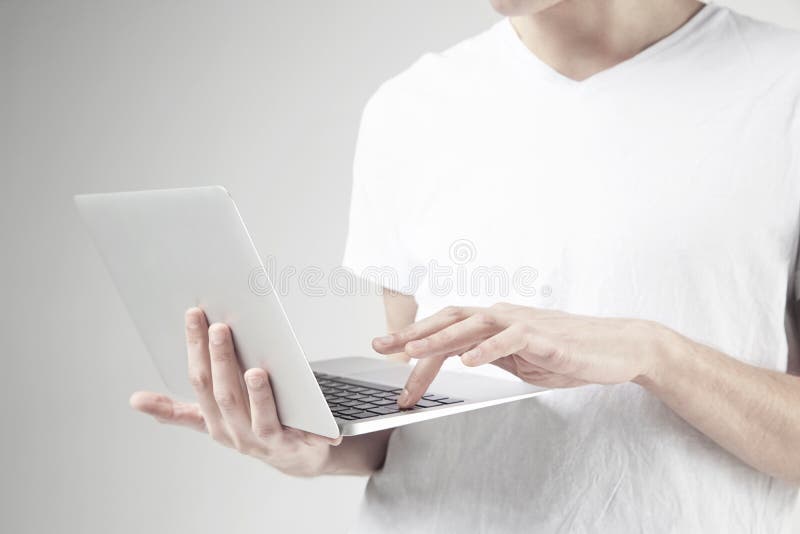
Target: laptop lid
{"x":170,"y":250}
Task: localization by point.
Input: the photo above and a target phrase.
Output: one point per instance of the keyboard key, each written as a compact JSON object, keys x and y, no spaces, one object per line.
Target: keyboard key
{"x":385,"y":410}
{"x":363,"y":415}
{"x":350,"y":399}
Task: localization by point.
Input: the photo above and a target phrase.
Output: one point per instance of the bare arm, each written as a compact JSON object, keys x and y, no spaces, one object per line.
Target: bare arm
{"x":752,"y":412}
{"x":361,"y":455}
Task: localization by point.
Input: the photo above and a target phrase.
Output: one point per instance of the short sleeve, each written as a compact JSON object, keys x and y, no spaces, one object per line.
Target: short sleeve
{"x":374,"y":249}
{"x":795,"y":175}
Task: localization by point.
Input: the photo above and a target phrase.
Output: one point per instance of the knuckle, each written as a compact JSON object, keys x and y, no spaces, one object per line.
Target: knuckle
{"x":405,"y":334}
{"x":264,"y":432}
{"x":484,"y":319}
{"x":200,"y":381}
{"x":442,"y":338}
{"x":225,"y":399}
{"x":221,"y":355}
{"x":530,"y":340}
{"x":454,"y":312}
{"x":246,"y":446}
{"x":527,"y":330}
{"x":194,"y":340}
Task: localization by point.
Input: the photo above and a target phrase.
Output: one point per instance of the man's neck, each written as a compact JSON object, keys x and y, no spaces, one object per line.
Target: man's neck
{"x":580,"y":38}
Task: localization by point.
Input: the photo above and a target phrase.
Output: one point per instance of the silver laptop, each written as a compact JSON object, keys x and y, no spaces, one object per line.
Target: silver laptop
{"x":170,"y":250}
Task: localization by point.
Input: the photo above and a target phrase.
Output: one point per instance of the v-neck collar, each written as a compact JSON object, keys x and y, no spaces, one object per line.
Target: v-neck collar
{"x":525,"y":56}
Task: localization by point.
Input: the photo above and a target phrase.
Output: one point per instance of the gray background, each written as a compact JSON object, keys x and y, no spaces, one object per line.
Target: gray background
{"x":263,"y":97}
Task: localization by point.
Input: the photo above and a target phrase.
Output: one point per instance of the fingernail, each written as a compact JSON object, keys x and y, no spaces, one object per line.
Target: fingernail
{"x":384,"y":340}
{"x":255,"y":380}
{"x":193,"y":323}
{"x":417,"y":346}
{"x":402,"y":400}
{"x":217,"y":336}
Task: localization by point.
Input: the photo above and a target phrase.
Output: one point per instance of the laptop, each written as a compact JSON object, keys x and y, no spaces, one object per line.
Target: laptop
{"x":169,"y":250}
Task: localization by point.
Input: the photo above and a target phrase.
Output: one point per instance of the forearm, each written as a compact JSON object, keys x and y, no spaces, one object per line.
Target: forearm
{"x":754,"y":413}
{"x":363,"y":455}
{"x":358,"y":455}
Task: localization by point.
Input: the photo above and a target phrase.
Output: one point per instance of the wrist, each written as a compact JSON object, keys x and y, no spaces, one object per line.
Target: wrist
{"x":665,"y":354}
{"x":330,"y":465}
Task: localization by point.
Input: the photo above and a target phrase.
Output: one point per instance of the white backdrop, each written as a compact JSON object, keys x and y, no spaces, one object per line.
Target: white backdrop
{"x":263,"y":97}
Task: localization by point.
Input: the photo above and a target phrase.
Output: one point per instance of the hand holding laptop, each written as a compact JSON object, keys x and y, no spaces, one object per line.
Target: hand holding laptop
{"x":170,"y":249}
{"x":242,"y":417}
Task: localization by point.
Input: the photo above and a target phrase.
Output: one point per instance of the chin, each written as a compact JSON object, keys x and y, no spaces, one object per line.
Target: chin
{"x":515,"y":8}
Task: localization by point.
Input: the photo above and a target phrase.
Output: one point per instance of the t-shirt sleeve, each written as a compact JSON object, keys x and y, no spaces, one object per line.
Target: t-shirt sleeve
{"x":795,"y":174}
{"x":374,"y":249}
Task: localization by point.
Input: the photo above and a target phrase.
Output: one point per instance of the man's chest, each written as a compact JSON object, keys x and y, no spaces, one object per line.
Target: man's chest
{"x":598,"y":186}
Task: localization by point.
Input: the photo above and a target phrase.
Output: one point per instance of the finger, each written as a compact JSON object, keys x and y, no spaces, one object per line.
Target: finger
{"x":226,"y":379}
{"x":167,"y":410}
{"x":396,"y":342}
{"x":200,"y":371}
{"x":263,"y":412}
{"x":506,"y":342}
{"x":456,"y":337}
{"x":418,"y":381}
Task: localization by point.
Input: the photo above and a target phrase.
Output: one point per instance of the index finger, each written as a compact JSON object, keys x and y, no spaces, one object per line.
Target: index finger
{"x":392,"y":343}
{"x":418,"y":381}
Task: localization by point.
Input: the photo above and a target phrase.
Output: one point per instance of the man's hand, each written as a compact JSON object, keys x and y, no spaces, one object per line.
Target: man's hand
{"x":243,"y":417}
{"x":546,"y":348}
{"x":750,"y":411}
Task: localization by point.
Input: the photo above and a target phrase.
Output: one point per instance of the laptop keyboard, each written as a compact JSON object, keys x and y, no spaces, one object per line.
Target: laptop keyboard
{"x":351,"y":399}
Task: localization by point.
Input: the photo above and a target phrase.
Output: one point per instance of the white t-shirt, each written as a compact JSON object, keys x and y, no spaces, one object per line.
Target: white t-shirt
{"x":665,"y":188}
